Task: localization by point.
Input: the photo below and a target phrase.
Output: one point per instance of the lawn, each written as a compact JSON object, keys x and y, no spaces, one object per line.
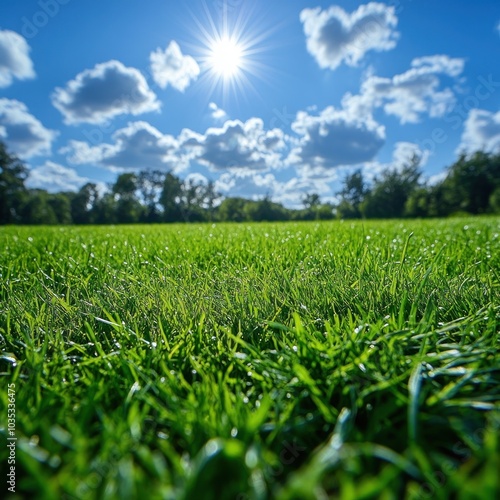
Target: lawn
{"x":291,"y":361}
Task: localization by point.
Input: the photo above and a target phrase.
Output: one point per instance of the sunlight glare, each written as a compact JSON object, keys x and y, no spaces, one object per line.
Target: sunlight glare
{"x":226,"y":58}
{"x":231,"y":45}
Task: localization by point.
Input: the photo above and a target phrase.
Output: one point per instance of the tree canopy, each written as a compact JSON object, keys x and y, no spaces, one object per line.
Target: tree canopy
{"x":13,"y":173}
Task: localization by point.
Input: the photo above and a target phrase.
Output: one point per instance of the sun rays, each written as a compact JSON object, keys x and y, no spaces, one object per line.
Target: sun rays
{"x":230,"y":50}
{"x":227,"y":57}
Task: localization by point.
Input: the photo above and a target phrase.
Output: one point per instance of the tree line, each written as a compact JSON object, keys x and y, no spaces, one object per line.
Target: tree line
{"x":471,"y":186}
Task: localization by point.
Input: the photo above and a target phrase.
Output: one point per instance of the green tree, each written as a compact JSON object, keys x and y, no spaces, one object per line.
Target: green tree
{"x":312,"y":202}
{"x":265,"y":210}
{"x":150,"y":183}
{"x":105,"y":210}
{"x":84,"y":204}
{"x":13,"y":173}
{"x":128,"y":207}
{"x":352,"y":195}
{"x":325,"y":211}
{"x":191,"y":201}
{"x":37,"y":208}
{"x":232,"y":210}
{"x":61,"y":206}
{"x":427,"y":201}
{"x":170,"y":198}
{"x":471,"y":181}
{"x":390,"y":193}
{"x":494,"y":201}
{"x":209,"y":198}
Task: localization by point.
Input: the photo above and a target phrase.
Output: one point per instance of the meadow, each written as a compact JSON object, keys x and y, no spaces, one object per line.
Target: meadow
{"x":292,"y":361}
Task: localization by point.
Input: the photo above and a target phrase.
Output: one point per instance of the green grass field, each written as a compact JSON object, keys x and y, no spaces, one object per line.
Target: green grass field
{"x":291,"y":361}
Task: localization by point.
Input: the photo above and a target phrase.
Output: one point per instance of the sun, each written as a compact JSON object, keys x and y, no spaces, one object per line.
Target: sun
{"x":231,"y":45}
{"x":226,"y":57}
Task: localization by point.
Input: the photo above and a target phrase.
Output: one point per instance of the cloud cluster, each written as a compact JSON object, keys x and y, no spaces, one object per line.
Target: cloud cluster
{"x":171,"y":67}
{"x":411,"y":94}
{"x":24,"y":133}
{"x":236,"y":145}
{"x":335,"y":138}
{"x":481,"y":132}
{"x":109,"y":89}
{"x":324,"y":142}
{"x":216,"y":112}
{"x":137,"y":146}
{"x":256,"y":185}
{"x":405,"y":151}
{"x":15,"y":61}
{"x":239,"y":146}
{"x":333,"y":36}
{"x":55,"y":178}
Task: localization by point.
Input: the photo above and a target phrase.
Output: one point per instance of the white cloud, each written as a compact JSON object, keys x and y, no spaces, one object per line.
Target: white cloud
{"x":481,"y":132}
{"x":435,"y":179}
{"x":216,"y":112}
{"x":236,"y":145}
{"x":252,"y":185}
{"x":15,"y":61}
{"x":137,"y":146}
{"x":333,"y":36}
{"x":81,"y":153}
{"x":293,"y":192}
{"x":55,"y":178}
{"x":411,"y":94}
{"x":24,"y":134}
{"x":171,"y":67}
{"x":405,"y":151}
{"x":255,"y":185}
{"x":335,"y":138}
{"x":441,"y":63}
{"x":99,"y":94}
{"x":402,"y":154}
{"x":196,"y":178}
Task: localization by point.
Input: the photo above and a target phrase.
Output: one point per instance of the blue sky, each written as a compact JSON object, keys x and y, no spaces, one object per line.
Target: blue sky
{"x":276,"y":98}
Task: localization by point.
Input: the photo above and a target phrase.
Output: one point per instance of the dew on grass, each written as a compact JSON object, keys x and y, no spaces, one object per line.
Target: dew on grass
{"x":34,"y":440}
{"x":10,"y":358}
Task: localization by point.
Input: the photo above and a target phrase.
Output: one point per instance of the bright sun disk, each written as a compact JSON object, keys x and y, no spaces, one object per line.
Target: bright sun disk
{"x":226,"y":57}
